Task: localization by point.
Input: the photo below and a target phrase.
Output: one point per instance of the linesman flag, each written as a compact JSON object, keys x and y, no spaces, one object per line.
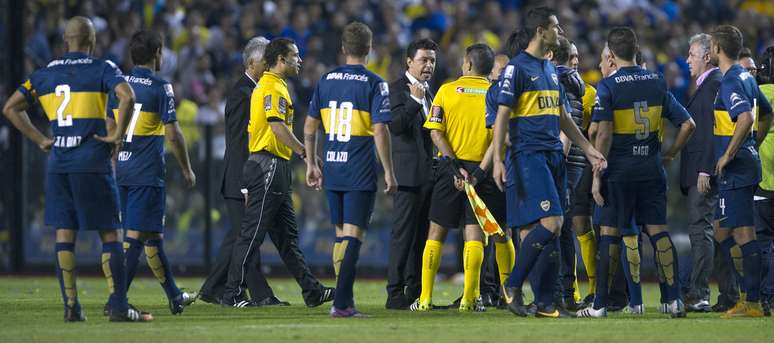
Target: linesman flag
{"x":483,"y":216}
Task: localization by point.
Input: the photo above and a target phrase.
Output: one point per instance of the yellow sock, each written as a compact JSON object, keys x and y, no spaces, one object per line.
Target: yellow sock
{"x":576,"y":295}
{"x":631,"y":244}
{"x":473,"y":257}
{"x":107,"y":272}
{"x":588,"y":246}
{"x":431,"y":260}
{"x":337,"y":256}
{"x":66,"y":260}
{"x":736,"y":256}
{"x":154,"y":262}
{"x":505,"y":255}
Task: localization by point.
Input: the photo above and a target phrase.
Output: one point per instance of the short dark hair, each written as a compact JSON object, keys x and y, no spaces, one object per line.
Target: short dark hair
{"x":356,"y":39}
{"x":143,"y":46}
{"x":745,"y":53}
{"x":622,"y":42}
{"x":765,"y":65}
{"x":729,"y":39}
{"x":276,"y":48}
{"x":516,"y":42}
{"x":536,"y":17}
{"x":481,"y":57}
{"x":420,"y":44}
{"x":638,"y":58}
{"x":562,"y":51}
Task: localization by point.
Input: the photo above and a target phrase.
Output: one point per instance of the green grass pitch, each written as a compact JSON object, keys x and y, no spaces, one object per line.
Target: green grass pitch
{"x":31,"y":311}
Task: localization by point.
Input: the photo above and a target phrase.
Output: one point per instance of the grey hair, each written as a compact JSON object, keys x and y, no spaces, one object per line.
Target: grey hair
{"x":254,"y":49}
{"x":704,"y":40}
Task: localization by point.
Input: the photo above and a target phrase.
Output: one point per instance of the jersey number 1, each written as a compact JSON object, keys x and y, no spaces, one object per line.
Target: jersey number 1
{"x":133,"y":122}
{"x":340,"y":128}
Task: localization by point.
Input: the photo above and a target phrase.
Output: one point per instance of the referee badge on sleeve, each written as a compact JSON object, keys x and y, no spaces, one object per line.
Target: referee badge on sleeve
{"x":282,"y":106}
{"x":267,"y":103}
{"x":436,"y":114}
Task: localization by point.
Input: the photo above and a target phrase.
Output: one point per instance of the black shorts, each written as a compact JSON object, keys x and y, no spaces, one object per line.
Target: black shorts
{"x":582,"y":200}
{"x":450,"y":208}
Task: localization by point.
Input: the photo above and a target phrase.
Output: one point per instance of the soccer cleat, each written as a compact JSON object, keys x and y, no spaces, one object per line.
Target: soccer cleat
{"x":590,"y":312}
{"x":106,"y":310}
{"x":242,"y":304}
{"x":515,"y":300}
{"x":420,"y":307}
{"x":746,"y":309}
{"x":766,"y":308}
{"x":551,"y":311}
{"x":476,"y":306}
{"x":634,"y":309}
{"x":532,"y":308}
{"x":271,"y":301}
{"x":699,"y":306}
{"x":350,"y":312}
{"x":73,"y":314}
{"x":677,"y":309}
{"x":179,"y":303}
{"x":131,"y":315}
{"x":326,"y":295}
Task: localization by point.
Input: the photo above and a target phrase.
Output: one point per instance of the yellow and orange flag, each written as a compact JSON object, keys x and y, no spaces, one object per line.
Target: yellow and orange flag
{"x":485,"y":218}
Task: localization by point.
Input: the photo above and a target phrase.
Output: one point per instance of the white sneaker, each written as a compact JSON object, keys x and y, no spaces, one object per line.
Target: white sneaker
{"x":590,"y":312}
{"x":636,"y":309}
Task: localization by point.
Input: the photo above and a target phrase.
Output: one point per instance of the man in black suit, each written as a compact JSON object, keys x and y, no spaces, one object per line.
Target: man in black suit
{"x":412,"y":153}
{"x":697,"y":165}
{"x":237,"y":116}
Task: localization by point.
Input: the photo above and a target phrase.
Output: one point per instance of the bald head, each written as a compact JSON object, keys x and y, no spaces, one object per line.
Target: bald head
{"x":79,"y":34}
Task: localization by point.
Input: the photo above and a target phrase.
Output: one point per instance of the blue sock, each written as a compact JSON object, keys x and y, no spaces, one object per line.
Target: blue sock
{"x":751,"y":260}
{"x":725,"y":247}
{"x":608,"y":250}
{"x":528,"y":254}
{"x":114,"y":269}
{"x":132,"y":251}
{"x":65,"y":272}
{"x":344,"y":297}
{"x":633,"y":277}
{"x":157,"y":261}
{"x":548,"y":268}
{"x":667,"y":263}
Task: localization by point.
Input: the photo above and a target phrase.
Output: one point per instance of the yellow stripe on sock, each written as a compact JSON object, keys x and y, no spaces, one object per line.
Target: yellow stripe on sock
{"x":738,"y":259}
{"x":338,"y":256}
{"x":154,"y":262}
{"x":633,"y":256}
{"x":666,"y":259}
{"x":505,"y":255}
{"x":431,"y":260}
{"x":67,"y":266}
{"x":473,"y":257}
{"x":106,"y":270}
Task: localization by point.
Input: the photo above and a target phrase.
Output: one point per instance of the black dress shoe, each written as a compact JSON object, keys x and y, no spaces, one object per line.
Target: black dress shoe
{"x":569,"y":304}
{"x":210,"y":299}
{"x":489,"y":300}
{"x":398,"y":303}
{"x":272,"y":301}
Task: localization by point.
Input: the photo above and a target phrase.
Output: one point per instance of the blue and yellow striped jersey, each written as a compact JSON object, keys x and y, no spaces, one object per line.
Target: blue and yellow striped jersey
{"x":459,"y":111}
{"x":531,"y":88}
{"x":73,"y":92}
{"x":141,"y":159}
{"x":349,"y":100}
{"x":738,"y":93}
{"x":636,"y":101}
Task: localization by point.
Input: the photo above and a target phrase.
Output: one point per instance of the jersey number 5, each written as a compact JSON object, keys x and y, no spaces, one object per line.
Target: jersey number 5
{"x":340,"y":128}
{"x":644,"y":131}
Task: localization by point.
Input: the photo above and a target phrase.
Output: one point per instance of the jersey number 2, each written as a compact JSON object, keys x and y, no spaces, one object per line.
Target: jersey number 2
{"x":340,"y":128}
{"x":62,"y":119}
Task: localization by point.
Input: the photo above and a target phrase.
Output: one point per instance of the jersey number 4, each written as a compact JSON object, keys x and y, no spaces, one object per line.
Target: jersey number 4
{"x":340,"y":126}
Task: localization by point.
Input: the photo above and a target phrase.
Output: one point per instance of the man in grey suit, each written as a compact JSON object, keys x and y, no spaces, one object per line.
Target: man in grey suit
{"x":412,"y":149}
{"x":696,"y":181}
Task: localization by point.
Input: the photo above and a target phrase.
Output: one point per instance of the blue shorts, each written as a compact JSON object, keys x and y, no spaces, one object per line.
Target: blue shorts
{"x":634,"y":202}
{"x":142,"y":208}
{"x":510,"y":200}
{"x":540,"y":186}
{"x":82,"y":201}
{"x":736,"y":207}
{"x":351,"y":207}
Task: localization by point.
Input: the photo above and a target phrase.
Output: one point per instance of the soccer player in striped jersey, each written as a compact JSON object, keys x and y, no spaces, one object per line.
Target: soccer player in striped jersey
{"x":81,"y":192}
{"x":353,"y":105}
{"x":140,"y":166}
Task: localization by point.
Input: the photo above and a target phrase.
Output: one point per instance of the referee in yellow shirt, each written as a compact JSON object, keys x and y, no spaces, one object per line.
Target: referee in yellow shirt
{"x":458,"y":130}
{"x":267,"y":173}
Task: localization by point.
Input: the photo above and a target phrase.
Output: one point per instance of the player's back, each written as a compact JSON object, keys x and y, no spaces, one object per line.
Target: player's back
{"x":141,"y":159}
{"x":459,"y":109}
{"x":349,"y":100}
{"x":635,"y":100}
{"x":73,"y":92}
